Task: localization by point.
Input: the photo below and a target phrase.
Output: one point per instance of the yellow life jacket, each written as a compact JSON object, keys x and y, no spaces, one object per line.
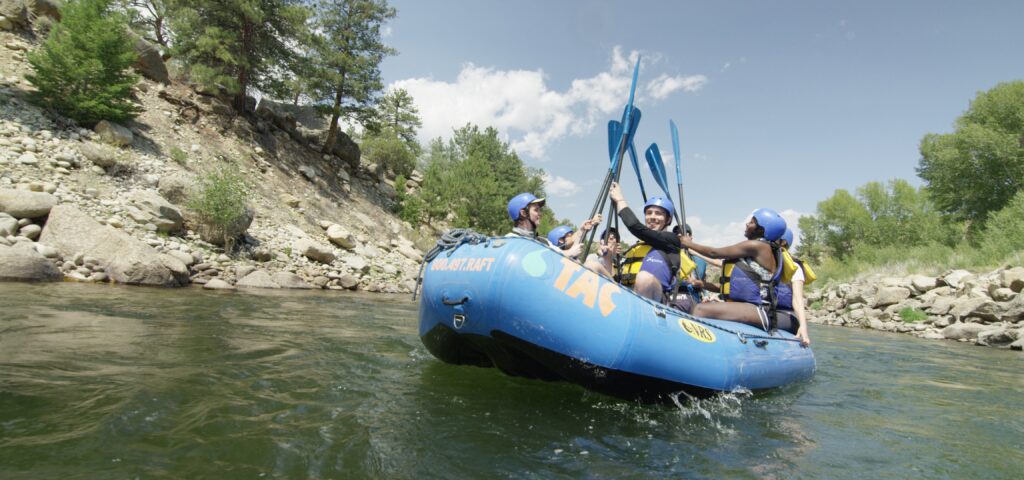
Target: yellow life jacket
{"x":790,"y":265}
{"x":633,"y":259}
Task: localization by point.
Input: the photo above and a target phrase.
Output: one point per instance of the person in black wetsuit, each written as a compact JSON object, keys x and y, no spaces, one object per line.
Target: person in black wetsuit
{"x":650,"y":266}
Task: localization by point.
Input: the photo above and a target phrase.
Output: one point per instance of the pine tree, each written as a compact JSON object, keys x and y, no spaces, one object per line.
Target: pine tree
{"x":238,"y":44}
{"x":398,"y":113}
{"x":347,"y":51}
{"x":82,"y":68}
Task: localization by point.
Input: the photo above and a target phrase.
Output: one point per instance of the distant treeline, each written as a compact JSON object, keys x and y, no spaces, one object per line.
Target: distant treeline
{"x":969,"y":213}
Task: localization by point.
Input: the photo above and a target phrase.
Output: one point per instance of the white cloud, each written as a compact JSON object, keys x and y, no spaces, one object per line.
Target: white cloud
{"x":556,"y":186}
{"x":524,"y":109}
{"x":665,"y":85}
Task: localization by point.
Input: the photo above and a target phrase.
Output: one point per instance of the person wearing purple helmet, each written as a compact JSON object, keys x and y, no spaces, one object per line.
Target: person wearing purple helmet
{"x":649,"y":267}
{"x":750,"y":272}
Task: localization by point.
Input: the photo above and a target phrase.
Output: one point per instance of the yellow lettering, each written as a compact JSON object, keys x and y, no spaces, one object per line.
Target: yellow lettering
{"x":440,"y":264}
{"x":605,"y":298}
{"x":696,"y":331}
{"x":569,"y":267}
{"x":585,"y":285}
{"x":489,"y":260}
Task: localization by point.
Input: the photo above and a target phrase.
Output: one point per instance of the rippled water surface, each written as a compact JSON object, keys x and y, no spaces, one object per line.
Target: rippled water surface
{"x":118,"y":382}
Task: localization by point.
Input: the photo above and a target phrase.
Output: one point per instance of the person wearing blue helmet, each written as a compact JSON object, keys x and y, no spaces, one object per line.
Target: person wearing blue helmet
{"x":525,"y":211}
{"x":750,"y":272}
{"x":650,"y":266}
{"x":790,"y":291}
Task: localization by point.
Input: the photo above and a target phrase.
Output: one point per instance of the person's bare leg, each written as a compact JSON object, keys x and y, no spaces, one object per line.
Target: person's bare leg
{"x":647,"y":285}
{"x":732,"y":311}
{"x":599,"y":267}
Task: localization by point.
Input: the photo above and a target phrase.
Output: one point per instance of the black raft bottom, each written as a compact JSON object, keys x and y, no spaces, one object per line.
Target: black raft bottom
{"x":520,"y":358}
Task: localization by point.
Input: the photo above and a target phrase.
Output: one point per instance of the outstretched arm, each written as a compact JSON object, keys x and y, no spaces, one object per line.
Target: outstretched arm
{"x":746,"y":248}
{"x":798,"y":309}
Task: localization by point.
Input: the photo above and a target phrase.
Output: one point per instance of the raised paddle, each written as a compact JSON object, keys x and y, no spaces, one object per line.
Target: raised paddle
{"x":679,"y":173}
{"x":653,"y":155}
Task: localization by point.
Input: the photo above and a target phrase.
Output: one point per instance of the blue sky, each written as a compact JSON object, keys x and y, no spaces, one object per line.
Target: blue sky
{"x":779,"y":103}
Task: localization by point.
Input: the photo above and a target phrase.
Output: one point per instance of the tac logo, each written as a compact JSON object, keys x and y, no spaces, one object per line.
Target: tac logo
{"x":697,"y":331}
{"x":588,"y":285}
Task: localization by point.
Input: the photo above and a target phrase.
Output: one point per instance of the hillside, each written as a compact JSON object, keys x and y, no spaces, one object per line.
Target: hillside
{"x":138,"y":188}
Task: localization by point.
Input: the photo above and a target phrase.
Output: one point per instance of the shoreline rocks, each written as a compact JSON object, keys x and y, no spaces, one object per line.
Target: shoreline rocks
{"x":986,"y":309}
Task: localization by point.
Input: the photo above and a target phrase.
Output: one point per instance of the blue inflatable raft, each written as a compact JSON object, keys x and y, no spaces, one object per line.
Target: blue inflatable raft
{"x":515,"y":304}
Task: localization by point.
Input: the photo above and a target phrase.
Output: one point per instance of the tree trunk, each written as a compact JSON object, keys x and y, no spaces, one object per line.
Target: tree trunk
{"x":332,"y":131}
{"x":243,"y":73}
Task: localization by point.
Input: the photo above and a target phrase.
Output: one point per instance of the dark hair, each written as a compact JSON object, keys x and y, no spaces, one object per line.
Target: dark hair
{"x":610,"y":230}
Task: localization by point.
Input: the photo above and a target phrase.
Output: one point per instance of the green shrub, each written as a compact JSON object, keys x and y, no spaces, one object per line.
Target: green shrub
{"x":817,"y":305}
{"x":390,"y":151}
{"x":220,"y":207}
{"x":911,"y":315}
{"x":1004,"y":231}
{"x":179,"y":156}
{"x":82,"y":68}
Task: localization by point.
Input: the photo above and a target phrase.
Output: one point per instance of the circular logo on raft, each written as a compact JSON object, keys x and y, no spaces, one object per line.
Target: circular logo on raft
{"x":698,"y":331}
{"x":534,"y":265}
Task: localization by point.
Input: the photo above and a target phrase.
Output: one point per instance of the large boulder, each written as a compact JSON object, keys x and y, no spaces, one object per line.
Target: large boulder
{"x":997,"y":336}
{"x":26,"y":204}
{"x":314,"y":251}
{"x":16,"y":13}
{"x":216,"y":235}
{"x":165,"y":216}
{"x":341,"y":237}
{"x":347,"y":150}
{"x":290,"y":280}
{"x":922,"y":283}
{"x":101,"y":155}
{"x":257,"y":279}
{"x":885,"y":296}
{"x":955,"y":278}
{"x":125,"y":259}
{"x":963,"y":331}
{"x":177,"y":187}
{"x":24,"y":264}
{"x":8,"y":225}
{"x":114,"y":134}
{"x":1012,"y":278}
{"x":150,"y":63}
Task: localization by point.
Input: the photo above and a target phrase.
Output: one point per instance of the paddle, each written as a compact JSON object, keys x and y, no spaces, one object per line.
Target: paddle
{"x":630,"y":118}
{"x":658,"y":170}
{"x":679,"y":173}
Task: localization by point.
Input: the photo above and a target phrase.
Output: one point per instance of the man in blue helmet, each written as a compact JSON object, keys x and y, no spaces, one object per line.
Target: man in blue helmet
{"x":650,"y":266}
{"x":751,"y":271}
{"x":525,"y":211}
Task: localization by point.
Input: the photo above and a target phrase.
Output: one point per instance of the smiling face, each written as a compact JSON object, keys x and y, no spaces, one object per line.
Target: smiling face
{"x":656,"y":218}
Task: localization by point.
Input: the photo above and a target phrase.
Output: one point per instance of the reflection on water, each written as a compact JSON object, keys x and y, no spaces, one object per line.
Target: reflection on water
{"x":133,"y":382}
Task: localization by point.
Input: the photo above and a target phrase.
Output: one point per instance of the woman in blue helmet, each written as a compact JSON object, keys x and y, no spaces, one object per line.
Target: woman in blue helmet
{"x":751,"y":271}
{"x":790,"y":292}
{"x":525,"y":211}
{"x":650,"y":266}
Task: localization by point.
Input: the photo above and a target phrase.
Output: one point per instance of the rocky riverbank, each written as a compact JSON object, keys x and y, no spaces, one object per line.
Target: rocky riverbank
{"x":109,"y":204}
{"x":985,"y":309}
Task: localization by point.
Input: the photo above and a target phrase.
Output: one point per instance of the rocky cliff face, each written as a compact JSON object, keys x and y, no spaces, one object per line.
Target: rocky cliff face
{"x":116,"y":196}
{"x":986,"y":309}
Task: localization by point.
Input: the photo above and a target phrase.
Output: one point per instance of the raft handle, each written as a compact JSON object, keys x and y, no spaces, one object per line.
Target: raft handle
{"x":760,"y":343}
{"x":659,"y":312}
{"x":460,"y":301}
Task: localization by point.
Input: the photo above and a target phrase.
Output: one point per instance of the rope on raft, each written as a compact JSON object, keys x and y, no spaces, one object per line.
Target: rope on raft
{"x":449,"y":241}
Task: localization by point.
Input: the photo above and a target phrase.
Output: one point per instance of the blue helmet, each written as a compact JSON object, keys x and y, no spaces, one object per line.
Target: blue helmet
{"x":663,"y":203}
{"x":773,"y":223}
{"x":520,"y":202}
{"x":557,"y":233}
{"x":788,"y":237}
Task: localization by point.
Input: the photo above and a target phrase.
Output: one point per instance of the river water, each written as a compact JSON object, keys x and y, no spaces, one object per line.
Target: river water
{"x":122,"y":382}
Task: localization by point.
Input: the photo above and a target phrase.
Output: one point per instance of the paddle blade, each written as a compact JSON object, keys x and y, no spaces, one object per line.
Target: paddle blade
{"x":614,"y":136}
{"x":675,"y":151}
{"x":653,"y":155}
{"x":636,"y":169}
{"x":632,"y":87}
